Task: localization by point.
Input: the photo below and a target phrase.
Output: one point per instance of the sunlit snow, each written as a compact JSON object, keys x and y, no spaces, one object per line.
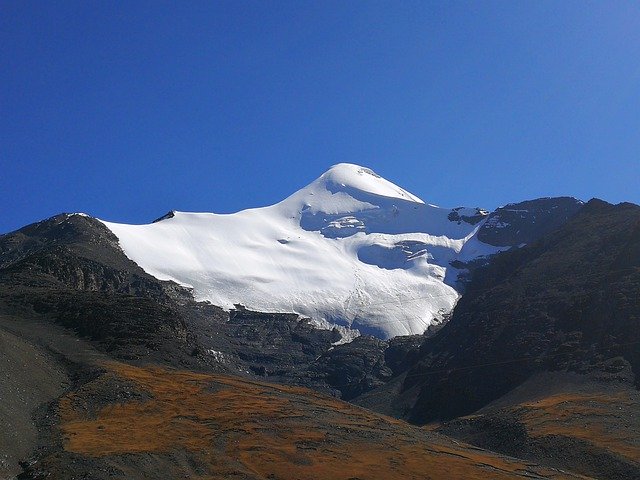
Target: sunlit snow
{"x":351,"y":249}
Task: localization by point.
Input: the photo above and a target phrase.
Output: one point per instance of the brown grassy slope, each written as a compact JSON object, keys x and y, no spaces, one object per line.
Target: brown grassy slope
{"x":226,"y":427}
{"x":588,"y":417}
{"x":570,"y":423}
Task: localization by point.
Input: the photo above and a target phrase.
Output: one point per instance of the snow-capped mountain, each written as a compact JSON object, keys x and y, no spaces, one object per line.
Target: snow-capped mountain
{"x":350,"y":249}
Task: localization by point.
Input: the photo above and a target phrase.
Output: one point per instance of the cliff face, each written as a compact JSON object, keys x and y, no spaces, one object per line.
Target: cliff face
{"x":525,"y":222}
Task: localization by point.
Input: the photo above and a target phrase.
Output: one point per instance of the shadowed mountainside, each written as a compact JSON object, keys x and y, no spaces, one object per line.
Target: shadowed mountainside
{"x":568,"y":303}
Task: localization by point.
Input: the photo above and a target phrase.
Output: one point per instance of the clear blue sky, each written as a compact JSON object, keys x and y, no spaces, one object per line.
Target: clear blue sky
{"x":125,"y":110}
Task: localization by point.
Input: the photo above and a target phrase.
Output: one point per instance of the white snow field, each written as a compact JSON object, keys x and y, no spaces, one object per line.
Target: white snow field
{"x":350,"y":249}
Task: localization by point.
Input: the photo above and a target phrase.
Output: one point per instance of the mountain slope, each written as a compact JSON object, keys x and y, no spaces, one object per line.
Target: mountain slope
{"x":542,"y":351}
{"x":153,"y":422}
{"x":569,"y":301}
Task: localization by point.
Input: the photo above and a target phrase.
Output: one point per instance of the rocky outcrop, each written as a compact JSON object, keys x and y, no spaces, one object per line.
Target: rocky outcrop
{"x":525,"y":222}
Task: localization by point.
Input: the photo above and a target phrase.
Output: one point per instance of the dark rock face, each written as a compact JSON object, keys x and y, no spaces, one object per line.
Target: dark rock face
{"x":166,"y":216}
{"x":276,"y":345}
{"x":525,"y":222}
{"x":356,"y":367}
{"x":366,"y":363}
{"x":477,"y":217}
{"x":70,"y":269}
{"x":514,"y":225}
{"x":567,"y":302}
{"x":288,"y":349}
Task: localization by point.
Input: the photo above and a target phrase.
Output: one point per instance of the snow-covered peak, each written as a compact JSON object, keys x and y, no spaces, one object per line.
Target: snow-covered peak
{"x":348,"y":199}
{"x":346,"y":188}
{"x":354,"y":179}
{"x":350,"y":249}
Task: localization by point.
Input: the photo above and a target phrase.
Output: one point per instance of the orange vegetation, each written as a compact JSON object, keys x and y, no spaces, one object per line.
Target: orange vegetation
{"x":592,"y":417}
{"x":232,"y":427}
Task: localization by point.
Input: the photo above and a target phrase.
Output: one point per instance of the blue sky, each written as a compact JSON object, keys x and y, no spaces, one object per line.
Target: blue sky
{"x":125,"y":110}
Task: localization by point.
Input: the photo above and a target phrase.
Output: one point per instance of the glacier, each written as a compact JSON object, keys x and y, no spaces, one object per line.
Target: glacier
{"x":351,"y":249}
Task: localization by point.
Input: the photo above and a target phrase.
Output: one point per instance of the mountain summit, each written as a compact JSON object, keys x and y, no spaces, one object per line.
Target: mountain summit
{"x":350,"y":249}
